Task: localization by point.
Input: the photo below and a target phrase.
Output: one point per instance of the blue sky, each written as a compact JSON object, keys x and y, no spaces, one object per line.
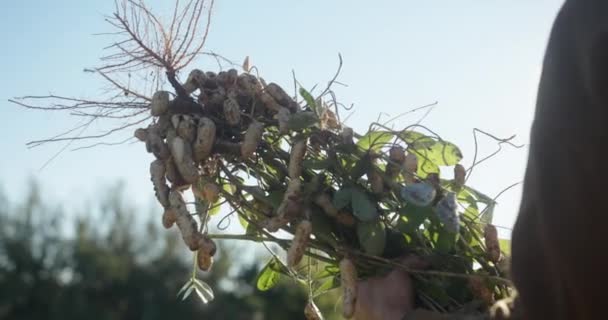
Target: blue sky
{"x":480,"y":60}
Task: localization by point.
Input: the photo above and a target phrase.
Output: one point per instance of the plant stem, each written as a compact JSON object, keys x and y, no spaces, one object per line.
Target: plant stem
{"x":194,"y":266}
{"x":244,"y":237}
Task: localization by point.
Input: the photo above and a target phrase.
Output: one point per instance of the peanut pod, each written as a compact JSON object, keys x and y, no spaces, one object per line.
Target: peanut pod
{"x":374,"y":177}
{"x":162,"y":125}
{"x":160,"y":103}
{"x":195,"y":80}
{"x":480,"y":290}
{"x":282,"y":117}
{"x":232,"y":111}
{"x":205,"y":253}
{"x":459,"y":175}
{"x":157,"y":175}
{"x":205,"y":138}
{"x":348,"y":281}
{"x":298,"y":151}
{"x":397,"y":154}
{"x":141,"y":134}
{"x":173,"y":175}
{"x":252,"y":138}
{"x":185,"y":222}
{"x":323,"y":200}
{"x":281,"y":97}
{"x":410,"y":165}
{"x":490,"y":235}
{"x":290,"y":207}
{"x":269,"y":101}
{"x":185,"y":126}
{"x":249,"y":83}
{"x":182,"y":156}
{"x":204,"y":260}
{"x":231,"y":77}
{"x":312,"y":312}
{"x":345,"y":218}
{"x":169,"y":218}
{"x":156,"y":145}
{"x":396,"y":161}
{"x":275,"y":223}
{"x":209,"y":192}
{"x":299,"y":243}
{"x":347,"y":135}
{"x":207,"y":245}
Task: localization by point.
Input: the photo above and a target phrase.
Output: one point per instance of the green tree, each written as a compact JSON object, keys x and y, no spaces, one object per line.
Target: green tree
{"x":109,"y":264}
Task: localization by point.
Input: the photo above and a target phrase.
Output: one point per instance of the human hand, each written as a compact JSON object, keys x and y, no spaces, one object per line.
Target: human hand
{"x":389,"y":297}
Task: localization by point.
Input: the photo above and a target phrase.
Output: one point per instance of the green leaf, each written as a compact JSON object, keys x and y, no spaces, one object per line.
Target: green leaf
{"x":255,"y":191}
{"x":471,"y":212}
{"x":458,"y":289}
{"x":466,"y":198}
{"x":505,"y":246}
{"x":202,"y":296}
{"x":342,"y":198}
{"x":372,"y":237}
{"x":361,"y":167}
{"x":470,"y":197}
{"x":322,"y":227}
{"x":203,"y":290}
{"x":201,"y":206}
{"x":445,"y":153}
{"x":268,"y":277}
{"x":275,"y":198}
{"x":242,"y":221}
{"x":467,"y":237}
{"x":302,"y":120}
{"x":415,"y":216}
{"x":374,"y":140}
{"x":252,"y":231}
{"x":488,"y":214}
{"x":278,"y":266}
{"x":478,"y":196}
{"x":438,"y":152}
{"x":214,"y":209}
{"x":363,"y":208}
{"x":188,"y":292}
{"x":316,"y":164}
{"x":184,"y":287}
{"x":416,"y":140}
{"x":334,"y":269}
{"x":310,"y":101}
{"x":446,"y":241}
{"x":229,"y":188}
{"x":435,"y":288}
{"x":327,"y":285}
{"x":328,"y":271}
{"x":425,"y":165}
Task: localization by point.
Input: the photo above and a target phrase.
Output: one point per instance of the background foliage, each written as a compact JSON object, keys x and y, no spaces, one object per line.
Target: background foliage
{"x":115,"y":262}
